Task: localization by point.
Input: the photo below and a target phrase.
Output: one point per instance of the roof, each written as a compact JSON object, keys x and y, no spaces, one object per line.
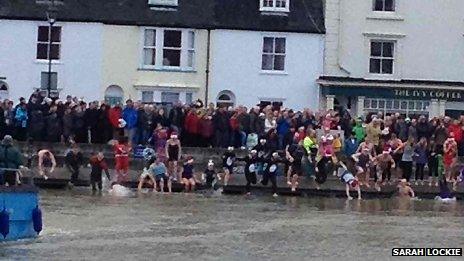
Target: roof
{"x":324,"y":80}
{"x":306,"y":16}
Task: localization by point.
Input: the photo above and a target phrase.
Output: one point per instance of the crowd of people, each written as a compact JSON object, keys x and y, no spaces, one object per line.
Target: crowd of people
{"x":376,"y":147}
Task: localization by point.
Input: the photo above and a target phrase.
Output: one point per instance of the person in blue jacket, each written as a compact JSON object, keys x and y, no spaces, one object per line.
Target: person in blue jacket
{"x":351,"y":145}
{"x":130,"y":115}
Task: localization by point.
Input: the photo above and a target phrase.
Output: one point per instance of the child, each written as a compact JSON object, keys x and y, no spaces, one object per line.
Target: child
{"x":404,"y":190}
{"x":210,"y":175}
{"x":187,"y":175}
{"x":99,"y":165}
{"x":346,"y":176}
{"x":121,"y":155}
{"x":228,"y":160}
{"x":337,"y":145}
{"x":421,"y":159}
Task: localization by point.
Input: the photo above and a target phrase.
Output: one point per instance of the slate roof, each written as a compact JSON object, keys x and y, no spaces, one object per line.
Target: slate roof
{"x":305,"y":16}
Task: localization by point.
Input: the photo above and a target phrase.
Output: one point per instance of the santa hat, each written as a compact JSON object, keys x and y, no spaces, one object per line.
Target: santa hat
{"x":210,"y":163}
{"x":386,"y":149}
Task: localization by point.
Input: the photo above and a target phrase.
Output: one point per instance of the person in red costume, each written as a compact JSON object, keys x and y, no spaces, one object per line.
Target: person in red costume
{"x":122,"y":149}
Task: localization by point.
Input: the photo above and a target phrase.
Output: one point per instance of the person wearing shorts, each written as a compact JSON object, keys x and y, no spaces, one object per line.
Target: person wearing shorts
{"x":159,"y":171}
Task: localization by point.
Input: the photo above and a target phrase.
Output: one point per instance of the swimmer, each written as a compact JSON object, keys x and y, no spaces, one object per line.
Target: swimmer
{"x":159,"y":170}
{"x":47,"y":163}
{"x":121,"y":155}
{"x":404,"y":190}
{"x":270,"y":172}
{"x":294,"y":154}
{"x":228,"y":161}
{"x":251,"y":162}
{"x":187,"y":175}
{"x":173,"y":151}
{"x":99,"y":165}
{"x":346,"y":176}
{"x":364,"y":161}
{"x":210,"y":175}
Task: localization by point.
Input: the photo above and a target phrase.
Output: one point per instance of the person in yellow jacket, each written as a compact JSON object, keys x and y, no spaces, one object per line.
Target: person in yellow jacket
{"x":311,"y":146}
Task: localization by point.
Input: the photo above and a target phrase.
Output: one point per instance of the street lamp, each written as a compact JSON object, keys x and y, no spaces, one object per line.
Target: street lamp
{"x":51,"y":18}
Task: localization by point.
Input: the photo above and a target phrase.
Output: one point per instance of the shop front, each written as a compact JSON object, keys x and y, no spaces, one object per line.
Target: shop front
{"x":409,"y":98}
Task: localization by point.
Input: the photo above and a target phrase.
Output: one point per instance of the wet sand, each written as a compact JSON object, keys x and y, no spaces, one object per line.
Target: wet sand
{"x":82,"y":226}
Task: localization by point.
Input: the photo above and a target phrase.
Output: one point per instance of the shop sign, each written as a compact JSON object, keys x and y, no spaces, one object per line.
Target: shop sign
{"x":428,"y":94}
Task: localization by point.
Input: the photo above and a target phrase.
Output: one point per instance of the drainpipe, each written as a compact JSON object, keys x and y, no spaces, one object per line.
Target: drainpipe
{"x":208,"y":47}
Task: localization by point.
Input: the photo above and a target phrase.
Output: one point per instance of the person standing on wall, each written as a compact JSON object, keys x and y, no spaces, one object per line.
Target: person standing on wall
{"x":10,"y":158}
{"x":129,"y":114}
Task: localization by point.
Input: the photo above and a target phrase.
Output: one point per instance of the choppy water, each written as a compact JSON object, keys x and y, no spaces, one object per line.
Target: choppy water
{"x":79,"y":226}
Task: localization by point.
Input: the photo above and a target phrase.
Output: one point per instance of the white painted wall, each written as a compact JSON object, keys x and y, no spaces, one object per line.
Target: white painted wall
{"x":236,"y":58}
{"x":429,"y":36}
{"x":79,"y":69}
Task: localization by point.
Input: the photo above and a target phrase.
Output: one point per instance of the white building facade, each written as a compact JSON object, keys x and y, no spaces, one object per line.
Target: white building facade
{"x":394,"y":56}
{"x":76,"y":53}
{"x":253,"y":68}
{"x":268,"y":64}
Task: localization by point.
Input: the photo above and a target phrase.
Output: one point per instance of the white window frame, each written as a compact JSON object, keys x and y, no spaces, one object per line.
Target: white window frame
{"x":422,"y":109}
{"x":163,"y":2}
{"x":383,"y":6}
{"x":182,"y":37}
{"x":273,"y":8}
{"x":149,"y":47}
{"x":47,"y":43}
{"x":273,"y":53}
{"x":186,"y":48}
{"x":381,"y":57}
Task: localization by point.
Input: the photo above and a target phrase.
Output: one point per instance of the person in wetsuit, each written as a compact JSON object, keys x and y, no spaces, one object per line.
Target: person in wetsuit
{"x":251,"y":162}
{"x":73,"y":162}
{"x":228,"y":162}
{"x":263,"y":152}
{"x":210,"y":175}
{"x":173,"y":152}
{"x":294,"y":154}
{"x":270,"y":171}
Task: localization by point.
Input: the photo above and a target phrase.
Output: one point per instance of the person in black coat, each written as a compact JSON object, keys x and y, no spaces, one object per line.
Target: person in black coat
{"x":222,"y":127}
{"x":105,"y":130}
{"x":36,"y":125}
{"x":91,"y":121}
{"x":53,"y":125}
{"x":80,"y":130}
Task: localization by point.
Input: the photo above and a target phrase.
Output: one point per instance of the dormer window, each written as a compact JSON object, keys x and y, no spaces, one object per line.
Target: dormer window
{"x":274,"y":5}
{"x":161,"y":3}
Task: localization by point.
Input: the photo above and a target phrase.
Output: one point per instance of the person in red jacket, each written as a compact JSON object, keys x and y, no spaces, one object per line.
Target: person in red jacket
{"x":206,"y":130}
{"x":114,"y":115}
{"x":191,"y":128}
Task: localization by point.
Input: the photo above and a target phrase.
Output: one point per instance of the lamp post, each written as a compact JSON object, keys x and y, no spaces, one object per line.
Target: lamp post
{"x":51,"y":18}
